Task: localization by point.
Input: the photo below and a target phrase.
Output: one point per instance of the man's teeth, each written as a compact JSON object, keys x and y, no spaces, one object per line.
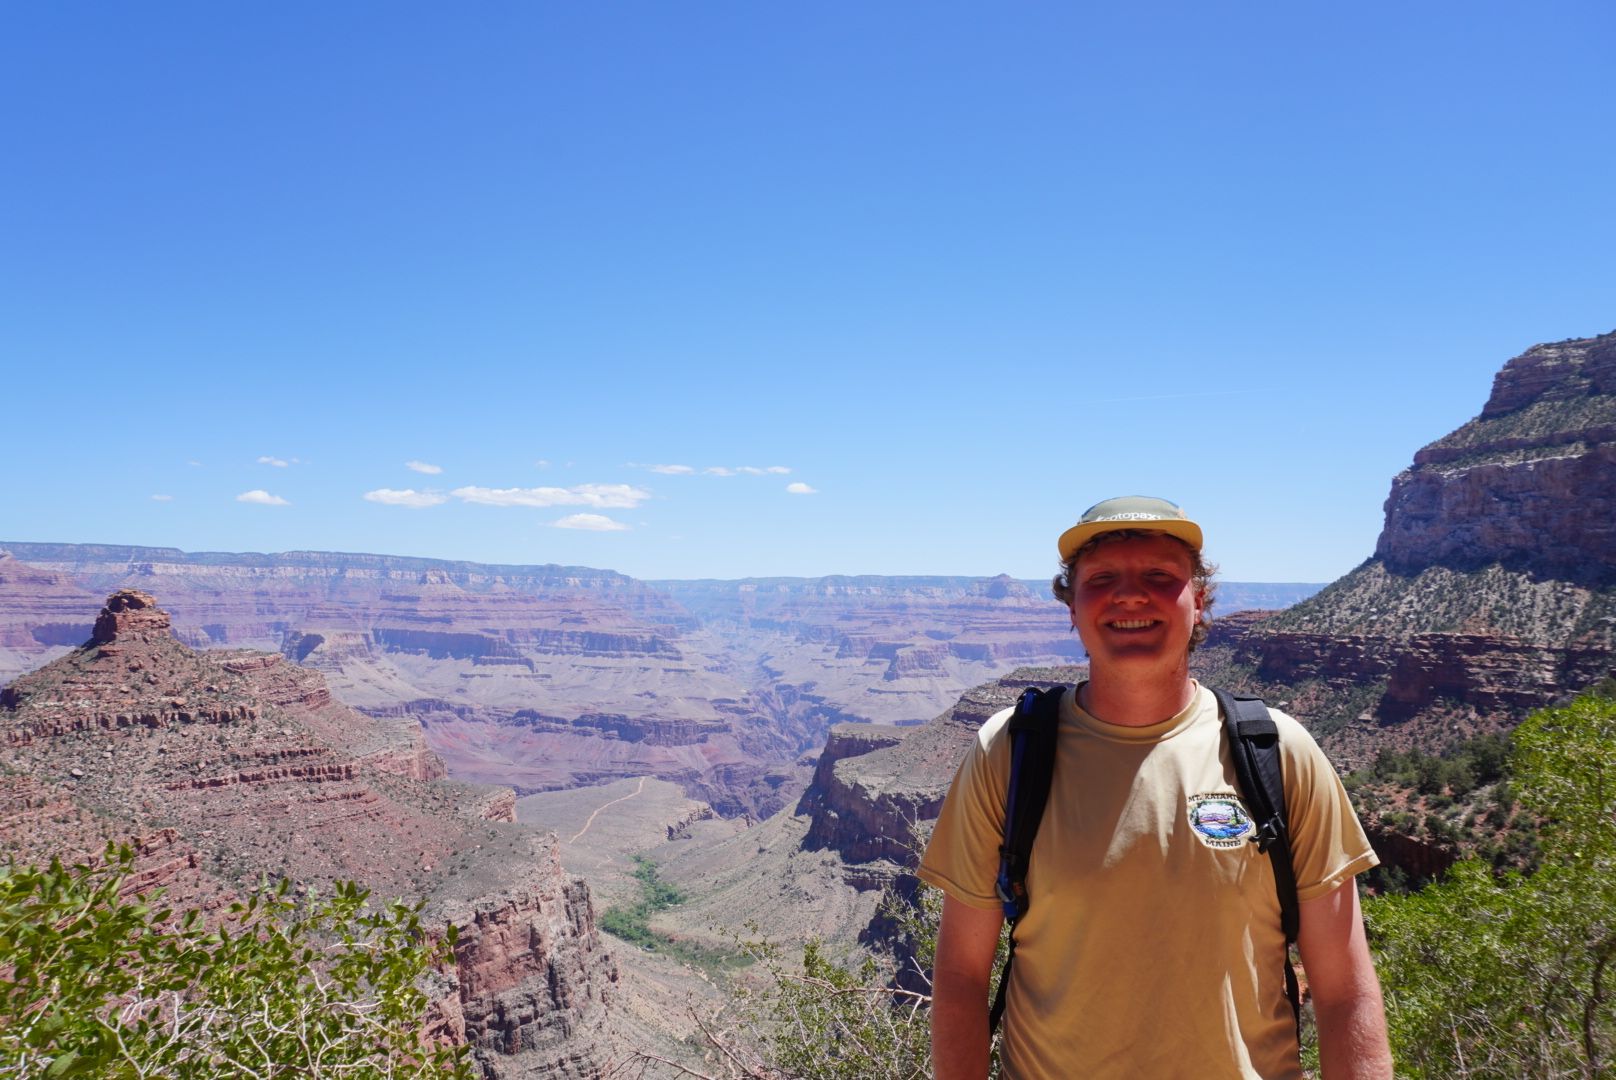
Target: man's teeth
{"x":1132,"y":624}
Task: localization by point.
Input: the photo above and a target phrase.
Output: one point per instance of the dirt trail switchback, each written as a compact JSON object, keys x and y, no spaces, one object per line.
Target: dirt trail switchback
{"x":614,"y":802}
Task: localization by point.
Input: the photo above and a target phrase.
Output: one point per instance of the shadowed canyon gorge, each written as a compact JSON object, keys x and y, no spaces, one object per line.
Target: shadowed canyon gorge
{"x":502,"y":738}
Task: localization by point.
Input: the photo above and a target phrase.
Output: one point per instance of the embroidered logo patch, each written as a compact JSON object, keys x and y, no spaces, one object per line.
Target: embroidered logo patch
{"x":1220,"y":820}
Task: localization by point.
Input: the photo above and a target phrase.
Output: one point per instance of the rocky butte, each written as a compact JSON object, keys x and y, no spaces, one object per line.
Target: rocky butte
{"x":225,"y":766}
{"x":1492,"y":589}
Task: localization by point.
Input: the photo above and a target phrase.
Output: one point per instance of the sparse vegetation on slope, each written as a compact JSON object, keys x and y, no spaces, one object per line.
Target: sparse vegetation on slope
{"x":632,"y":922}
{"x":814,"y":1015}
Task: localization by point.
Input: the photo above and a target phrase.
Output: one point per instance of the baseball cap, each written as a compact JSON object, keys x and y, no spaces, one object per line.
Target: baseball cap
{"x":1130,"y":512}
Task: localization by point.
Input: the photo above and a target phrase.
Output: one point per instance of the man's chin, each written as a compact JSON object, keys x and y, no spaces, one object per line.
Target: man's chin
{"x":1139,"y":651}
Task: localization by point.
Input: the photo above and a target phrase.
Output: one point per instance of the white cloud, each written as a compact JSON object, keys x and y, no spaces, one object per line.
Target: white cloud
{"x":273,"y":461}
{"x":262,"y":498}
{"x":421,"y":466}
{"x":801,"y":489}
{"x":415,"y":500}
{"x":542,"y":464}
{"x":163,"y":498}
{"x":600,"y":496}
{"x":716,"y":470}
{"x":193,"y":463}
{"x":594,"y":522}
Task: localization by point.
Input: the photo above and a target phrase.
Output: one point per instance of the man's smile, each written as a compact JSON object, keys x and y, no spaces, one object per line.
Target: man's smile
{"x":1133,"y":624}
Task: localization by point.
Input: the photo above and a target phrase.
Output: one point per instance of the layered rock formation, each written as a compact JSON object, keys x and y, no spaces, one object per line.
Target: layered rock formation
{"x":550,"y":677}
{"x":43,"y":614}
{"x":881,"y":649}
{"x":538,"y":677}
{"x":1492,"y":590}
{"x":230,"y":765}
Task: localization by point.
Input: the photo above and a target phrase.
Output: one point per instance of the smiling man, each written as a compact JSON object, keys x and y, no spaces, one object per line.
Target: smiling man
{"x":1151,"y":945}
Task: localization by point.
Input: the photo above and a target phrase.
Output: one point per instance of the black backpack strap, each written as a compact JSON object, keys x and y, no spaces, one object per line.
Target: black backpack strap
{"x":1032,"y":730}
{"x":1253,"y":740}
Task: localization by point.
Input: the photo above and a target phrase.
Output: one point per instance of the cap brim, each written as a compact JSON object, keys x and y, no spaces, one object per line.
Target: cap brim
{"x":1078,"y":535}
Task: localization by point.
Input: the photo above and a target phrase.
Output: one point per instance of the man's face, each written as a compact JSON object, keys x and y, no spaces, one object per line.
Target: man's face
{"x":1133,"y":601}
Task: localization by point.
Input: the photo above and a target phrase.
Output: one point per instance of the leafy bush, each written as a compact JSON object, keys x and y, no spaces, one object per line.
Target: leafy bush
{"x":98,"y":985}
{"x":1500,"y":975}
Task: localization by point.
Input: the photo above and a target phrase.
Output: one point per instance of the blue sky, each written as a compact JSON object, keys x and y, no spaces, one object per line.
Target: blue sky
{"x":963,"y":269}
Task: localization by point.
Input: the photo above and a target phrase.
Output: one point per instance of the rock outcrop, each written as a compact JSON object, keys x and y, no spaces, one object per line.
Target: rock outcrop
{"x":1492,"y":590}
{"x":227,"y":766}
{"x":1529,"y":485}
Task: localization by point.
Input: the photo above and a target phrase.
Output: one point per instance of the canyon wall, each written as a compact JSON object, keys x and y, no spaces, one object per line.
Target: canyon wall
{"x":1492,"y":590}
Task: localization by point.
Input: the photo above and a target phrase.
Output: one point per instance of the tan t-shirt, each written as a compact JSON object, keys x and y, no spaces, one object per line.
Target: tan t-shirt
{"x":1151,"y":949}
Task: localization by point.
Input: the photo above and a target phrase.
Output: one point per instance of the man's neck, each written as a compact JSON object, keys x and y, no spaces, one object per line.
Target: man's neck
{"x":1130,"y":699}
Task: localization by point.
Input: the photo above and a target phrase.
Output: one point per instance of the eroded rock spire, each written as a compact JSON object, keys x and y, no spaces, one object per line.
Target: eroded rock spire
{"x":130,"y":613}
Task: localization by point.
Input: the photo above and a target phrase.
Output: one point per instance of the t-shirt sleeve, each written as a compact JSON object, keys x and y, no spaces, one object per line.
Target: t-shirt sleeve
{"x":962,"y":857}
{"x":1328,"y":845}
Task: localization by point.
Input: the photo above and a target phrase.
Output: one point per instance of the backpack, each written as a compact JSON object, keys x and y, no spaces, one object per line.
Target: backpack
{"x":1253,"y":741}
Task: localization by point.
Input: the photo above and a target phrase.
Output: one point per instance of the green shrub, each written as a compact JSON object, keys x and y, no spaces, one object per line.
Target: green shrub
{"x":1495,"y":975}
{"x":103,"y":986}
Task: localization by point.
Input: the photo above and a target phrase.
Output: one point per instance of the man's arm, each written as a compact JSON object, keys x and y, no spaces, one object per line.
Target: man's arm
{"x":966,"y":942}
{"x":1346,"y":992}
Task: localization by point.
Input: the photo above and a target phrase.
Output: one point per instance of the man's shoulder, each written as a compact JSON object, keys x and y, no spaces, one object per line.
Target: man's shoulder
{"x":992,"y":731}
{"x":1294,"y":737}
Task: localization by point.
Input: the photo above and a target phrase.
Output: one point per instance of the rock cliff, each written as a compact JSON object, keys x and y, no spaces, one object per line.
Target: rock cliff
{"x":230,"y":765}
{"x":1492,"y":590}
{"x":1529,"y":485}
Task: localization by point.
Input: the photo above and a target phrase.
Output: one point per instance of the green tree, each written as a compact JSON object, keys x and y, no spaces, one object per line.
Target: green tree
{"x":100,"y":985}
{"x":1492,"y":974}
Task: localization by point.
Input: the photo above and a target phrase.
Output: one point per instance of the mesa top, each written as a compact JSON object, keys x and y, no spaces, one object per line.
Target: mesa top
{"x":1152,"y":946}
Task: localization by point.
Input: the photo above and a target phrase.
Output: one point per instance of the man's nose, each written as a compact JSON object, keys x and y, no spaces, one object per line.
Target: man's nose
{"x":1129,"y":588}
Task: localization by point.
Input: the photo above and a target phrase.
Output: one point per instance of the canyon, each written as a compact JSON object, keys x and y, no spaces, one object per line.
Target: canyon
{"x":544,"y":678}
{"x":502,"y":739}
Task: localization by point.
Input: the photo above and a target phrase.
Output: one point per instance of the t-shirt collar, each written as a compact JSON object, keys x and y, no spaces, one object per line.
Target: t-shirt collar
{"x":1194,"y":711}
